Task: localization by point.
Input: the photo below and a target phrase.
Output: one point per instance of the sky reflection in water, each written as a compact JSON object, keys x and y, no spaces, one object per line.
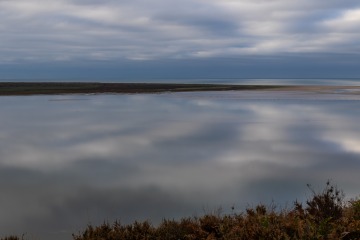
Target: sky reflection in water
{"x":66,"y":161}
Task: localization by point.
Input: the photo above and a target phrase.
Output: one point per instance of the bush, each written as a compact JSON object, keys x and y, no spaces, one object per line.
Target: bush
{"x":10,"y":238}
{"x":327,"y":205}
{"x":325,"y":216}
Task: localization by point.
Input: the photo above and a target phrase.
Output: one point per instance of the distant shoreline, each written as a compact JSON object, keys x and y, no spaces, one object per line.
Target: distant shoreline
{"x":56,"y":88}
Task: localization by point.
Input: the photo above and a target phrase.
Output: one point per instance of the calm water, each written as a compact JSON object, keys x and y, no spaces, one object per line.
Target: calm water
{"x":66,"y":161}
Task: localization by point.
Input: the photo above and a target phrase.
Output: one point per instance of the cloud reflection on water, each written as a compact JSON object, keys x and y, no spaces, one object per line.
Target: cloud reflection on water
{"x":64,"y":164}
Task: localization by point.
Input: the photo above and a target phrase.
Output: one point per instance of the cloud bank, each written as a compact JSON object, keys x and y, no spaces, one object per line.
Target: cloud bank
{"x":74,"y":30}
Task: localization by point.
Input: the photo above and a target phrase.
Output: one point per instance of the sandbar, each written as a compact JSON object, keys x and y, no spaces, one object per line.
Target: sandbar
{"x":54,"y":88}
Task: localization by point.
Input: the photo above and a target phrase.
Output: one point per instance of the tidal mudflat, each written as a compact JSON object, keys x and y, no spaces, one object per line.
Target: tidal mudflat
{"x":51,"y":88}
{"x":70,"y":160}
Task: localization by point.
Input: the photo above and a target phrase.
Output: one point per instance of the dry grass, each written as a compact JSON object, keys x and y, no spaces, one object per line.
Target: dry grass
{"x":325,"y":216}
{"x":12,"y":237}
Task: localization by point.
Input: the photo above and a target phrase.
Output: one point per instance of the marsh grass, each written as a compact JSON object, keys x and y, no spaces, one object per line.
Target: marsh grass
{"x":325,"y":215}
{"x":12,"y":237}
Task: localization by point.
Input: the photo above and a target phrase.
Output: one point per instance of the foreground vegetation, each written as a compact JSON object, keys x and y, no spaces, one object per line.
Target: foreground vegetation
{"x":323,"y":216}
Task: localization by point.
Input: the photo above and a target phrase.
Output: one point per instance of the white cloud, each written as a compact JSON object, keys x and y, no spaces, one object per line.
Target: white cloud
{"x":348,"y":21}
{"x":69,"y":29}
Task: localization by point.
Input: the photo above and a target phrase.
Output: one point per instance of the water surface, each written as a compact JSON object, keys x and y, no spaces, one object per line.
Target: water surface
{"x":70,"y":160}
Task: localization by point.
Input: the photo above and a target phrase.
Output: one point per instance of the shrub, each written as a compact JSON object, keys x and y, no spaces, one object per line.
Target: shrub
{"x":327,"y":205}
{"x":325,"y":216}
{"x":12,"y":237}
{"x":355,"y":208}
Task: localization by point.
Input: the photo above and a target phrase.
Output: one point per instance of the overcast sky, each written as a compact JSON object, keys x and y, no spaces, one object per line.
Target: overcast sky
{"x":231,"y":38}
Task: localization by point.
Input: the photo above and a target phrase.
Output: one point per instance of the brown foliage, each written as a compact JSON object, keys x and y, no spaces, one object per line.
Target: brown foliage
{"x":324,"y":217}
{"x":12,"y":237}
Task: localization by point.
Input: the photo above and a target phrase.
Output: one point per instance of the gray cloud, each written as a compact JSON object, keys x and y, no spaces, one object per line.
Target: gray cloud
{"x":140,"y":30}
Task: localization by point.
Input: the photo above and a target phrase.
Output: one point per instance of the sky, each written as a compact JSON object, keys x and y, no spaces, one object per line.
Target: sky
{"x":142,"y":39}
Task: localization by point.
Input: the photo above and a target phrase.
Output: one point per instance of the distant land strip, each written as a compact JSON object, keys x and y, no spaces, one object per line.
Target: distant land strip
{"x":48,"y":88}
{"x":53,"y":88}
